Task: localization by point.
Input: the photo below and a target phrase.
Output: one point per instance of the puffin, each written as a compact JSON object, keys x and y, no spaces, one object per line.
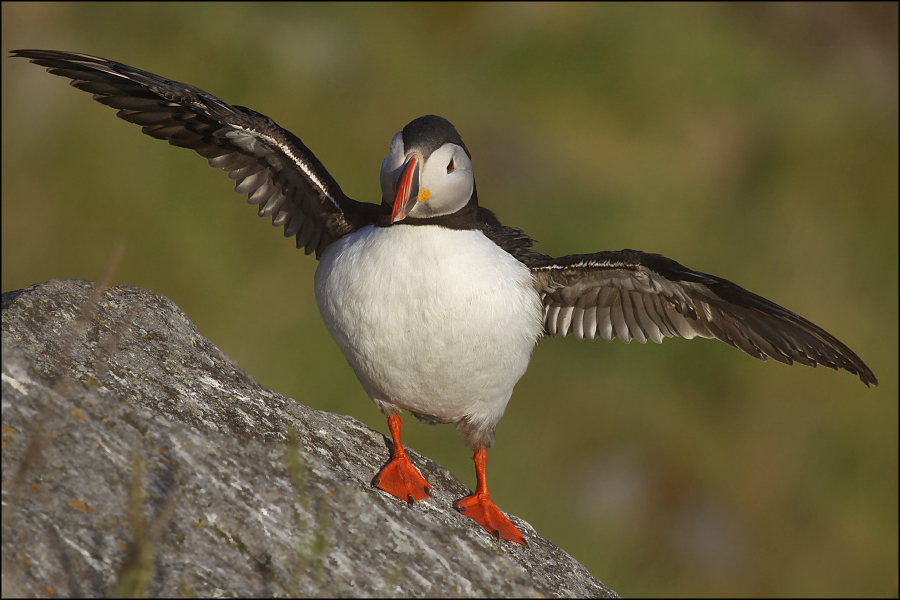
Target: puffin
{"x":434,"y":303}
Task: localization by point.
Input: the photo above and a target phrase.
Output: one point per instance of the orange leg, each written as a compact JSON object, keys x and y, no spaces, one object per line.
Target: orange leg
{"x":399,"y":477}
{"x":479,"y":507}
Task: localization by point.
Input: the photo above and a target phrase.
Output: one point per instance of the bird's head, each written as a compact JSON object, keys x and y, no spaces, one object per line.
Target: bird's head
{"x":427,"y":173}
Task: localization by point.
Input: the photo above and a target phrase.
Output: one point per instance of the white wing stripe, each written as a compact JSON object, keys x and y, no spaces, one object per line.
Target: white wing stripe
{"x":298,"y":161}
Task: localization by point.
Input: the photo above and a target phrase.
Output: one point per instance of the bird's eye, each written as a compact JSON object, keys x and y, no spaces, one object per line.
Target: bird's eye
{"x":451,"y":166}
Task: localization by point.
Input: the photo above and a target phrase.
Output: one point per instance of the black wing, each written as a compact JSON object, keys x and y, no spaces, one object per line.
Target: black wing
{"x":268,"y":163}
{"x":635,"y":295}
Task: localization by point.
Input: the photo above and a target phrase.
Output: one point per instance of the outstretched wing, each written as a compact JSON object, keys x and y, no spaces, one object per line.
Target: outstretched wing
{"x":635,"y":295}
{"x":269,"y":164}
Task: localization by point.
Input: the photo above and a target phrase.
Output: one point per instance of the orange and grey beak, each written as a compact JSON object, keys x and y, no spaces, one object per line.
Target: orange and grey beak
{"x":408,"y":188}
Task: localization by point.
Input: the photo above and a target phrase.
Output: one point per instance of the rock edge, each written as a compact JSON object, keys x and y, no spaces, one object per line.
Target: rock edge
{"x":137,"y":457}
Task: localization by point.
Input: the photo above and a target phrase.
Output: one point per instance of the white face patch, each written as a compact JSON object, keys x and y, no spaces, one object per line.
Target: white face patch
{"x":449,"y":179}
{"x":390,"y":167}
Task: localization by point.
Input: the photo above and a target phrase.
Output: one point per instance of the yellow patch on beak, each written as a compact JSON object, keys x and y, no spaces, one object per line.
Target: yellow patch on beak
{"x":423,"y":196}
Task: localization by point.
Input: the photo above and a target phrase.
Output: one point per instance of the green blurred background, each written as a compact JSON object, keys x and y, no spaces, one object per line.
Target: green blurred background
{"x":754,"y":142}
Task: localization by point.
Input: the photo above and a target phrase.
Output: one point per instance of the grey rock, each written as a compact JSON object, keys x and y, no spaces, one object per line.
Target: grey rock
{"x":139,"y":459}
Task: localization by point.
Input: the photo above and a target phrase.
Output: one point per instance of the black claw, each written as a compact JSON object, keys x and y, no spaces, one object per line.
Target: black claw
{"x":496,"y":534}
{"x":428,"y":491}
{"x":409,"y":499}
{"x":376,"y":481}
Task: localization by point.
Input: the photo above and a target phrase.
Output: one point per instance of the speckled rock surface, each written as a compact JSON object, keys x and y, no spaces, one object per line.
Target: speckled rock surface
{"x":138,"y":458}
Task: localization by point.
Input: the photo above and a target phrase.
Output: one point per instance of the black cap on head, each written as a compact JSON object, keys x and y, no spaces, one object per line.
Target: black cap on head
{"x":427,"y":134}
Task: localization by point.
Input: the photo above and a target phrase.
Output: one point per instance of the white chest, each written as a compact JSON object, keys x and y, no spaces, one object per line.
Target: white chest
{"x":437,"y":321}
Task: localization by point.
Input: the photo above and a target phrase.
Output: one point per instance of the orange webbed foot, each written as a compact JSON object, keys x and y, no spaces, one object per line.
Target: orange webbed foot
{"x":399,"y":477}
{"x":483,"y":511}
